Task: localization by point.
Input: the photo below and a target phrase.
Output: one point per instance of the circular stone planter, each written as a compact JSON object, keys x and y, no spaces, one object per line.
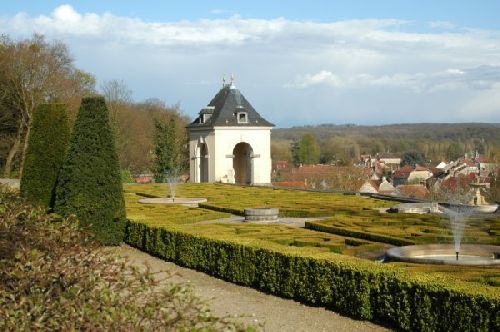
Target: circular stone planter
{"x":470,"y":254}
{"x":189,"y":202}
{"x":261,"y":214}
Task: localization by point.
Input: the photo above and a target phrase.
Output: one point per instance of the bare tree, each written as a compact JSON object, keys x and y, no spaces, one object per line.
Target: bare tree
{"x":34,"y":71}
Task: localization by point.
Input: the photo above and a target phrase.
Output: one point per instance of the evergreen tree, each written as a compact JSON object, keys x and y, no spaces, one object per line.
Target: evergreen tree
{"x":309,"y":151}
{"x":413,"y":158}
{"x":45,"y":154}
{"x":166,"y":147}
{"x":89,"y":183}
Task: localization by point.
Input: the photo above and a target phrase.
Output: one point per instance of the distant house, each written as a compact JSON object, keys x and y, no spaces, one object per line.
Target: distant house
{"x":373,"y":186}
{"x":370,"y":187}
{"x":441,"y":165}
{"x":280,"y":164}
{"x":400,"y":176}
{"x":460,"y":182}
{"x":471,"y":166}
{"x":143,"y":178}
{"x":386,"y":188}
{"x":419,"y":175}
{"x":485,"y":164}
{"x":365,"y":160}
{"x":391,"y":160}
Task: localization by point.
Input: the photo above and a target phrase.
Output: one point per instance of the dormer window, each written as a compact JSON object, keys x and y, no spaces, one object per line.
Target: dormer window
{"x":206,"y":113}
{"x":242,"y":117}
{"x":205,"y":117}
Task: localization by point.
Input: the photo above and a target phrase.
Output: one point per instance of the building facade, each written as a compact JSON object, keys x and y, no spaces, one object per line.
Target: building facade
{"x":230,"y":142}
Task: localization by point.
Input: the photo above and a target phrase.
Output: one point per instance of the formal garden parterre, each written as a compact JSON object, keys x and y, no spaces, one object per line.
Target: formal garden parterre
{"x":318,"y":266}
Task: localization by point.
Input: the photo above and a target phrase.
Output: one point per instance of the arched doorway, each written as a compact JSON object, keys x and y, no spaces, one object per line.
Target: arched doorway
{"x":203,"y":162}
{"x":242,"y":163}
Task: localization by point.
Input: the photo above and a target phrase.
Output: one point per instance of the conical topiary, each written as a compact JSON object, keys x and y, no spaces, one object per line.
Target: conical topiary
{"x":45,"y":153}
{"x":89,"y":183}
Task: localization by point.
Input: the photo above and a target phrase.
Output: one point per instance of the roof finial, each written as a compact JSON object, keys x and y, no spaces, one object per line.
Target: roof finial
{"x":232,"y":81}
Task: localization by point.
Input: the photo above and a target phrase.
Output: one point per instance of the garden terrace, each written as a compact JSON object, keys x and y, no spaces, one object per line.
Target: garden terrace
{"x":305,"y":264}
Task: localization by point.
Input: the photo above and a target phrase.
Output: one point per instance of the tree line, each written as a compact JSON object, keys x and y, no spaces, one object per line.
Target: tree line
{"x":344,"y":145}
{"x":36,"y":71}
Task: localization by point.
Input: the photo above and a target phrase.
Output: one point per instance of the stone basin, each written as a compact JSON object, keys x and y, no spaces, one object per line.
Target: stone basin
{"x":470,"y":254}
{"x":261,"y":214}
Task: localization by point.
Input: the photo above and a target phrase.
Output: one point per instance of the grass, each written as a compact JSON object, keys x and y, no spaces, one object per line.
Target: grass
{"x":346,"y":212}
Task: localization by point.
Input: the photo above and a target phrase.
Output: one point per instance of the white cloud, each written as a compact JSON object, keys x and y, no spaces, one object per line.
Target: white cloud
{"x":281,"y":64}
{"x":442,"y":25}
{"x":323,"y":77}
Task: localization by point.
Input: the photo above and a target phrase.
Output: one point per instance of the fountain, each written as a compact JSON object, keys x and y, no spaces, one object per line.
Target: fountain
{"x":457,"y":253}
{"x":172,"y":177}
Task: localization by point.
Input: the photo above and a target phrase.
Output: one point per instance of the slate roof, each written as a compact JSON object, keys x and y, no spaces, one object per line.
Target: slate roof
{"x":226,"y":104}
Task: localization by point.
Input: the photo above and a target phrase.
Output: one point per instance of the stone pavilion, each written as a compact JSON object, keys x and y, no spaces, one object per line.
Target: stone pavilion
{"x":230,"y":142}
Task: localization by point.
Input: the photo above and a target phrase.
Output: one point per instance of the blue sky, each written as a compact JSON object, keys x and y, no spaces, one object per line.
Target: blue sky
{"x":298,"y":62}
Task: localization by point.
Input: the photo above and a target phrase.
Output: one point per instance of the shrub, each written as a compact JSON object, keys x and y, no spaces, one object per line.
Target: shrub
{"x":357,"y":288}
{"x":52,"y":278}
{"x":90,"y":182}
{"x":45,"y":155}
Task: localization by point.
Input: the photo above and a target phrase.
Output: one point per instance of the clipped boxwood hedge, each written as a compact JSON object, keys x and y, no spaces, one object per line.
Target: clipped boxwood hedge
{"x":361,"y":289}
{"x":45,"y":154}
{"x":318,"y":226}
{"x":89,"y":183}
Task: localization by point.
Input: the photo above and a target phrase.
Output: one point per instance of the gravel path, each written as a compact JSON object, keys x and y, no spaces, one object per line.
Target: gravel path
{"x":13,"y":183}
{"x":248,"y":305}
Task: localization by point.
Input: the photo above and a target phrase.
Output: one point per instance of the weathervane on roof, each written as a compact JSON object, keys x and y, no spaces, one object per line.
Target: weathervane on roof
{"x":231,"y":83}
{"x":231,"y":80}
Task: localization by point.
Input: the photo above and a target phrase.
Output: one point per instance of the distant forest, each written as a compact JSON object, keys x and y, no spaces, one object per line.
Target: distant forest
{"x":436,"y":141}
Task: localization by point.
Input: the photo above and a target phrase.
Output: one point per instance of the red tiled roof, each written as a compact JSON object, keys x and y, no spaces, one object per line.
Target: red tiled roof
{"x":458,"y":182}
{"x":403,"y":172}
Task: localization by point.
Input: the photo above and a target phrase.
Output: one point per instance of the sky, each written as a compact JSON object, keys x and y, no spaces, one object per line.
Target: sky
{"x":297,"y":62}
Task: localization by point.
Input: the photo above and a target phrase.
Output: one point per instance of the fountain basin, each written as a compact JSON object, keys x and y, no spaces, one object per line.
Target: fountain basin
{"x":189,"y":202}
{"x":470,"y":254}
{"x":261,"y":214}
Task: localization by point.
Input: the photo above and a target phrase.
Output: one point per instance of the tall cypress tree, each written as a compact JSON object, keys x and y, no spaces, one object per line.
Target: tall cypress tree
{"x":308,"y":150}
{"x":166,"y":148}
{"x":89,"y":183}
{"x":45,"y":154}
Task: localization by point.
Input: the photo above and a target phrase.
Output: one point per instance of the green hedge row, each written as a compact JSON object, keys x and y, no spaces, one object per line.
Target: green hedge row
{"x":222,"y":209}
{"x":318,"y":226}
{"x":358,"y":288}
{"x":283,"y":212}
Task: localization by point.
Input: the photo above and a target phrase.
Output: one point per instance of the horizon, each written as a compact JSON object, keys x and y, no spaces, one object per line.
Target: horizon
{"x":494,"y":124}
{"x":298,"y":64}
